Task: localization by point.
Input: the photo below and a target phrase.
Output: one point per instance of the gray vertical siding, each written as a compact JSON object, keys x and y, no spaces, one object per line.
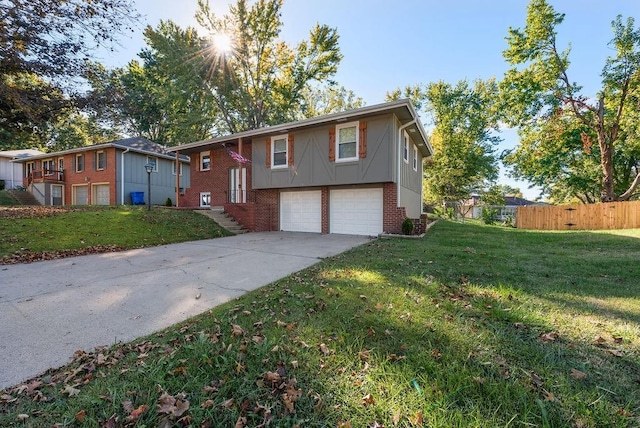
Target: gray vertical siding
{"x":311,"y":159}
{"x":163,"y":182}
{"x":411,"y":182}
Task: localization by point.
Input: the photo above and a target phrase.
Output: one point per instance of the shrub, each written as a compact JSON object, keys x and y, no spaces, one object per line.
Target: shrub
{"x":407,"y":226}
{"x":489,"y":215}
{"x":2,"y":184}
{"x":168,"y":203}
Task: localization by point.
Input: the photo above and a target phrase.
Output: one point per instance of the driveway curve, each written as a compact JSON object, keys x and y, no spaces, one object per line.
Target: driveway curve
{"x":50,"y":309}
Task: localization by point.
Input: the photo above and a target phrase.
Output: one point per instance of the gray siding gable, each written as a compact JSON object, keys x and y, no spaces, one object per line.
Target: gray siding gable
{"x":311,"y":159}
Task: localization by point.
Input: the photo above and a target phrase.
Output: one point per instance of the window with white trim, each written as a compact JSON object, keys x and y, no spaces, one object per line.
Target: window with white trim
{"x":279,"y":151}
{"x":48,"y":165}
{"x":205,"y":199}
{"x":153,"y":161}
{"x":173,"y":169}
{"x":415,"y":158}
{"x":347,"y":142}
{"x":205,"y":161}
{"x":80,"y":162}
{"x":101,"y":160}
{"x":405,"y":147}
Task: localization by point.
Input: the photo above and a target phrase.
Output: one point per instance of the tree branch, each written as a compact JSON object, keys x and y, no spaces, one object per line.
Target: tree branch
{"x":626,"y":195}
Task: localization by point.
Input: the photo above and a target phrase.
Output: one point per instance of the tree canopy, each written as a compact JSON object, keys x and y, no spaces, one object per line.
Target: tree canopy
{"x":573,"y":145}
{"x":463,"y":136}
{"x":44,"y":47}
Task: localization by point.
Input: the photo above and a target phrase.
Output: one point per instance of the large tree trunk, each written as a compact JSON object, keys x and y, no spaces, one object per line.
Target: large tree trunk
{"x":606,"y":157}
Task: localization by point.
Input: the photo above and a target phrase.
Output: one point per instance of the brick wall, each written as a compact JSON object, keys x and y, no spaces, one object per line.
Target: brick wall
{"x":216,"y":179}
{"x":392,"y":216}
{"x":259,"y":216}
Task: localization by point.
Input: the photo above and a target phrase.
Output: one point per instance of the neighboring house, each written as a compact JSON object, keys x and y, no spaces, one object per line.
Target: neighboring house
{"x":354,"y":172}
{"x":105,"y":174}
{"x":473,"y":207}
{"x":12,"y":172}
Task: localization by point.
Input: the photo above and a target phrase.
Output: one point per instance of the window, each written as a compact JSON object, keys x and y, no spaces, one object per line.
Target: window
{"x":101,"y":160}
{"x":49,"y":165}
{"x":415,"y":158}
{"x":173,"y":171}
{"x":205,"y":161}
{"x":279,"y":151}
{"x":205,"y":199}
{"x":405,"y":148}
{"x":347,"y":141}
{"x":80,"y":162}
{"x":153,"y":161}
{"x":29,"y":169}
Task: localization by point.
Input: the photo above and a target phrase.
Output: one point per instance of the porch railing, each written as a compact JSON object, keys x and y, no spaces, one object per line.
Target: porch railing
{"x":42,"y":175}
{"x":240,"y":196}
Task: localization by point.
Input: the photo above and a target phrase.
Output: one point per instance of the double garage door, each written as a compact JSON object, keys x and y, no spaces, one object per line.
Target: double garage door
{"x":351,"y":211}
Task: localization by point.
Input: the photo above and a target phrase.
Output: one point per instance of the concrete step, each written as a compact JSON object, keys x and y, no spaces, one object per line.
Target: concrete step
{"x":218,"y":215}
{"x":23,"y":197}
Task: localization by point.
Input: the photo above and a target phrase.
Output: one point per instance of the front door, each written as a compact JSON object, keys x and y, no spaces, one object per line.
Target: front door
{"x":237,"y":186}
{"x":56,"y":194}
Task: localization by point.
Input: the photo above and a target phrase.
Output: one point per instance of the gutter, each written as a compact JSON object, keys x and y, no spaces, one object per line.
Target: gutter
{"x":122,"y":175}
{"x":402,"y":128}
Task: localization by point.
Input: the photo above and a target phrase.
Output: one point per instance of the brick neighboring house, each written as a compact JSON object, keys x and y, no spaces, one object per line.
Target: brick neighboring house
{"x":353,"y":172}
{"x":104,"y":174}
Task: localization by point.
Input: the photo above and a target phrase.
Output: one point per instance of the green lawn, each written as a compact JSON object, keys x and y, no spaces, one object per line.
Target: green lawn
{"x":6,"y":199}
{"x":33,"y":233}
{"x":473,"y":325}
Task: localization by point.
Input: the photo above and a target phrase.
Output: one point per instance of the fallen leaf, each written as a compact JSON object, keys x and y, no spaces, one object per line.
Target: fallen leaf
{"x":228,"y":404}
{"x":615,"y":352}
{"x":364,"y":355}
{"x":81,"y":416}
{"x":617,"y":339}
{"x":371,"y":332}
{"x":294,"y":364}
{"x":379,"y":306}
{"x":577,"y":374}
{"x":396,"y":417}
{"x":549,"y":337}
{"x":323,"y":348}
{"x":342,"y":424}
{"x":22,"y":417}
{"x":70,"y":391}
{"x":549,"y":396}
{"x":136,"y":413}
{"x":241,"y":422}
{"x":625,"y":413}
{"x":478,"y":379}
{"x":598,"y":340}
{"x":368,"y":400}
{"x":436,"y":354}
{"x":236,"y":330}
{"x":536,"y":380}
{"x":418,"y":419}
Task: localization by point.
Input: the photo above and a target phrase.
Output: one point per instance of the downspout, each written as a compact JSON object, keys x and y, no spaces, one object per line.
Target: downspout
{"x":402,"y":128}
{"x":122,"y":175}
{"x":178,"y":165}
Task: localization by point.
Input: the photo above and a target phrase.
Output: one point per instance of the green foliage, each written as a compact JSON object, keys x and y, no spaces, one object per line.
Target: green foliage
{"x":571,"y":146}
{"x":168,"y":203}
{"x":488,"y":215}
{"x":446,"y":212}
{"x":261,"y":80}
{"x":2,"y":184}
{"x":463,"y":138}
{"x":45,"y":46}
{"x":473,"y":326}
{"x":407,"y":226}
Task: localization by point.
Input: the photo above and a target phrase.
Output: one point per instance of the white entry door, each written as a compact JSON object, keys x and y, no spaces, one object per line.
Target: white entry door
{"x":356,"y":211}
{"x":301,"y":211}
{"x":237,"y":187}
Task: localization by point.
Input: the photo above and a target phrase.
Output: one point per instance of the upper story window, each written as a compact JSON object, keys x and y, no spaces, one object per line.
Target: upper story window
{"x":279,"y":151}
{"x":405,"y":147}
{"x":101,"y":160}
{"x":347,"y":142}
{"x":80,"y":162}
{"x":48,"y":165}
{"x":415,"y":158}
{"x":205,"y":161}
{"x":174,"y":168}
{"x":153,"y":161}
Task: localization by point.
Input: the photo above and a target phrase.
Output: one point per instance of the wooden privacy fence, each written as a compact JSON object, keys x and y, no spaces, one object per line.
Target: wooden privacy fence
{"x":610,"y":215}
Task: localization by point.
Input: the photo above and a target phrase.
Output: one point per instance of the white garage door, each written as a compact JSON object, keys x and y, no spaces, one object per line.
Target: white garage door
{"x":101,"y":194}
{"x":356,"y":211}
{"x":80,"y":195}
{"x":301,"y":211}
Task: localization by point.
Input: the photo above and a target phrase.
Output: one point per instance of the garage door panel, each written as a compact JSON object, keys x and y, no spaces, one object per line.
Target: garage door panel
{"x":301,"y":211}
{"x":356,"y":211}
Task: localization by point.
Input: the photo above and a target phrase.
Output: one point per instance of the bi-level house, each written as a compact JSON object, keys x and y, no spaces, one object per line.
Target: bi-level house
{"x":354,"y":172}
{"x":110,"y":173}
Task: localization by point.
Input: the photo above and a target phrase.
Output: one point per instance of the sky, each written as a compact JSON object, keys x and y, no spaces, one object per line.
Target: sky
{"x":389,"y":44}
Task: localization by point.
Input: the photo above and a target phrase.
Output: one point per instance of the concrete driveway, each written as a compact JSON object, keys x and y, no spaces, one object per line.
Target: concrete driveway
{"x":50,"y":309}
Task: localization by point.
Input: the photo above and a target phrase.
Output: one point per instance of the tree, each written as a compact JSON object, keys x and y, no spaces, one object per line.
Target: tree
{"x":540,"y":98}
{"x":463,"y":140}
{"x":255,"y":78}
{"x":49,"y":42}
{"x":160,"y":97}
